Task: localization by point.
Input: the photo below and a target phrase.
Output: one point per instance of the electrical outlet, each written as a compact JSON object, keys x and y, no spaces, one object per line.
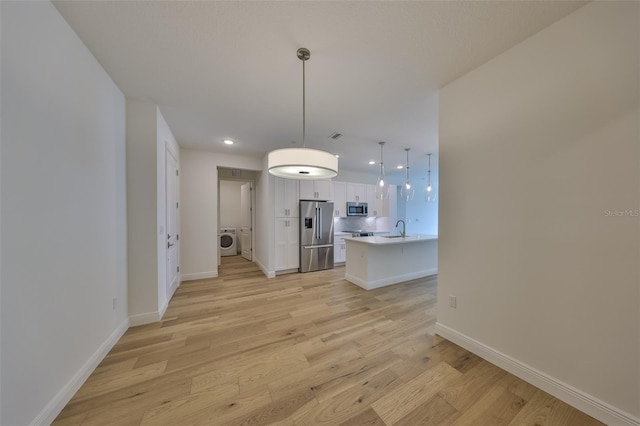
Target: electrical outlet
{"x":452,"y":301}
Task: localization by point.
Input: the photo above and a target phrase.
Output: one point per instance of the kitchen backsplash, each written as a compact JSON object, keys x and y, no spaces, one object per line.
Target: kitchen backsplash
{"x":367,"y":224}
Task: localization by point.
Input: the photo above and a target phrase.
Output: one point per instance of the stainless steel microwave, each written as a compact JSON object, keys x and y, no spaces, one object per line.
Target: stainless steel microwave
{"x":357,"y":209}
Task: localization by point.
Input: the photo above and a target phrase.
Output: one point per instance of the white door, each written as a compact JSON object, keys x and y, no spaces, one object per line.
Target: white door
{"x":172,"y":223}
{"x":245,"y":220}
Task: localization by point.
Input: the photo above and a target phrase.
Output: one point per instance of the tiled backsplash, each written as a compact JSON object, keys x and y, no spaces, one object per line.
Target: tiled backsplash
{"x":367,"y":224}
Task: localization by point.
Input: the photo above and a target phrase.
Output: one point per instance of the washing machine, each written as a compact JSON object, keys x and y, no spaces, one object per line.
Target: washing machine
{"x":228,"y":242}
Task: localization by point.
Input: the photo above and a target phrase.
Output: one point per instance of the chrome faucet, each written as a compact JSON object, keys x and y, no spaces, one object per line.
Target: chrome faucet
{"x":404,"y":227}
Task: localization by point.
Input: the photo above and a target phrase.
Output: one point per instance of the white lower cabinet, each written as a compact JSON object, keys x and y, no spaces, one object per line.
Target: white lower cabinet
{"x":339,"y":250}
{"x":287,"y":246}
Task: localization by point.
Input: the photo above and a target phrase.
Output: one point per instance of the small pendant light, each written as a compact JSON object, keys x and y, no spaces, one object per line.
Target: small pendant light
{"x":430,"y":194}
{"x":382,"y":187}
{"x":407,"y":191}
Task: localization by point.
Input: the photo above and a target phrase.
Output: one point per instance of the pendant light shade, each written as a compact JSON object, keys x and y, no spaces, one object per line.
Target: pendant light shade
{"x":407,"y":191}
{"x":302,"y":163}
{"x":382,"y":187}
{"x":430,"y":194}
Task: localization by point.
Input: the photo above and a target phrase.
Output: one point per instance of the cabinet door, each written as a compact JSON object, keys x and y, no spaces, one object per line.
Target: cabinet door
{"x":307,"y":190}
{"x":319,"y":190}
{"x":286,"y":197}
{"x":324,"y":190}
{"x":293,"y":245}
{"x":356,"y":192}
{"x":281,"y":237}
{"x":375,"y":205}
{"x":287,"y":244}
{"x":339,"y":251}
{"x":339,"y":199}
{"x":291,"y":197}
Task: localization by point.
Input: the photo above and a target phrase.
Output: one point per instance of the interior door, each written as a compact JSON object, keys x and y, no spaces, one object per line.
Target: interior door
{"x":172,"y":222}
{"x":245,"y":220}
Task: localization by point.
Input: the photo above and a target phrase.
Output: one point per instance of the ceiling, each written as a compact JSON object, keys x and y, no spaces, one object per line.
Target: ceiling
{"x":229,"y":69}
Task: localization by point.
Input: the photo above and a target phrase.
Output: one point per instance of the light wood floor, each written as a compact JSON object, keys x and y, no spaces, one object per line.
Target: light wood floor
{"x":303,"y":349}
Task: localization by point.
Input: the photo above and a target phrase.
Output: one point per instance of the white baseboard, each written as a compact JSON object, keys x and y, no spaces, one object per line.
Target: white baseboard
{"x":55,"y":406}
{"x":163,"y":309}
{"x":383,"y":282}
{"x":265,"y":271}
{"x":146,"y":318}
{"x":287,"y":271}
{"x":589,"y":404}
{"x":199,"y":275}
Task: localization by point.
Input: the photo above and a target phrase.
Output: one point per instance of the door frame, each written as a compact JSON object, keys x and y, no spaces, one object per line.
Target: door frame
{"x":170,"y":290}
{"x":253,"y":210}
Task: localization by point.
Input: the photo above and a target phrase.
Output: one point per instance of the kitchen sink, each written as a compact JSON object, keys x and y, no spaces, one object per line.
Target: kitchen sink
{"x":393,"y":236}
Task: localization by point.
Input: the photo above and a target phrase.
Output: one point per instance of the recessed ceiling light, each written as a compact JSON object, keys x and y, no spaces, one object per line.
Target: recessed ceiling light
{"x":400,"y":166}
{"x":228,"y":142}
{"x":372,"y":162}
{"x":337,"y":155}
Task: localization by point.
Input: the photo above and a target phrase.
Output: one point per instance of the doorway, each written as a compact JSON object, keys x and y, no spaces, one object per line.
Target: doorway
{"x":236,"y":212}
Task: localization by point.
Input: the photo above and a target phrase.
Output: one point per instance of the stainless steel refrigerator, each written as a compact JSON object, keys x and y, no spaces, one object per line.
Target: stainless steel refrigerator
{"x":316,"y":235}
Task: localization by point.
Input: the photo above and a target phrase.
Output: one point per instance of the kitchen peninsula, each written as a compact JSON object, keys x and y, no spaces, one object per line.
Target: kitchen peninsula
{"x":380,"y":261}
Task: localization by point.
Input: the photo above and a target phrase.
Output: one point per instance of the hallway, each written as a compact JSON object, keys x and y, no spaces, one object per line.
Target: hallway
{"x":302,"y":349}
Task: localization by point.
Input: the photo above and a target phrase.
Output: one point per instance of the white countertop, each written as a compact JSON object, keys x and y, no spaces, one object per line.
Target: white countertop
{"x":380,"y":241}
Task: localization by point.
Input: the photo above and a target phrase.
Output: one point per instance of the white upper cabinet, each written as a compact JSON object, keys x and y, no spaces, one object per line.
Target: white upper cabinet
{"x":339,"y":199}
{"x":375,"y":205}
{"x":344,"y":192}
{"x":286,"y":193}
{"x":317,"y":190}
{"x":357,"y":192}
{"x":324,"y":189}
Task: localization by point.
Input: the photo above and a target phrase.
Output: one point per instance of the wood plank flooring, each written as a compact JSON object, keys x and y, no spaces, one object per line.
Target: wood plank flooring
{"x":303,"y":349}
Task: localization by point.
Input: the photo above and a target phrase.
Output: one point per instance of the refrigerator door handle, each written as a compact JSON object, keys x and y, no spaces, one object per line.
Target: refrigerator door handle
{"x":317,"y":247}
{"x":320,"y":222}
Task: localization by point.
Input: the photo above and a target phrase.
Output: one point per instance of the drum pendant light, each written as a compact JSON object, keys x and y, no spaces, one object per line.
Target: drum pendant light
{"x":407,"y":191}
{"x":302,"y":163}
{"x":430,"y":194}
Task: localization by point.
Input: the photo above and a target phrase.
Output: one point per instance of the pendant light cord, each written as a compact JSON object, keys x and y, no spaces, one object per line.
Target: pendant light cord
{"x":381,"y":159}
{"x":304,"y":103}
{"x":406,"y":176}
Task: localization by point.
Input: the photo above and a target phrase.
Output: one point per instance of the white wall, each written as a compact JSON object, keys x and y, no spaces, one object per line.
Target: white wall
{"x":421,"y":217}
{"x":356,"y":177}
{"x":142,"y":208}
{"x":0,"y":228}
{"x":536,"y":146}
{"x":199,"y":211}
{"x":148,"y":137}
{"x":230,"y":205}
{"x":265,"y":221}
{"x":165,"y":141}
{"x":63,"y":213}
